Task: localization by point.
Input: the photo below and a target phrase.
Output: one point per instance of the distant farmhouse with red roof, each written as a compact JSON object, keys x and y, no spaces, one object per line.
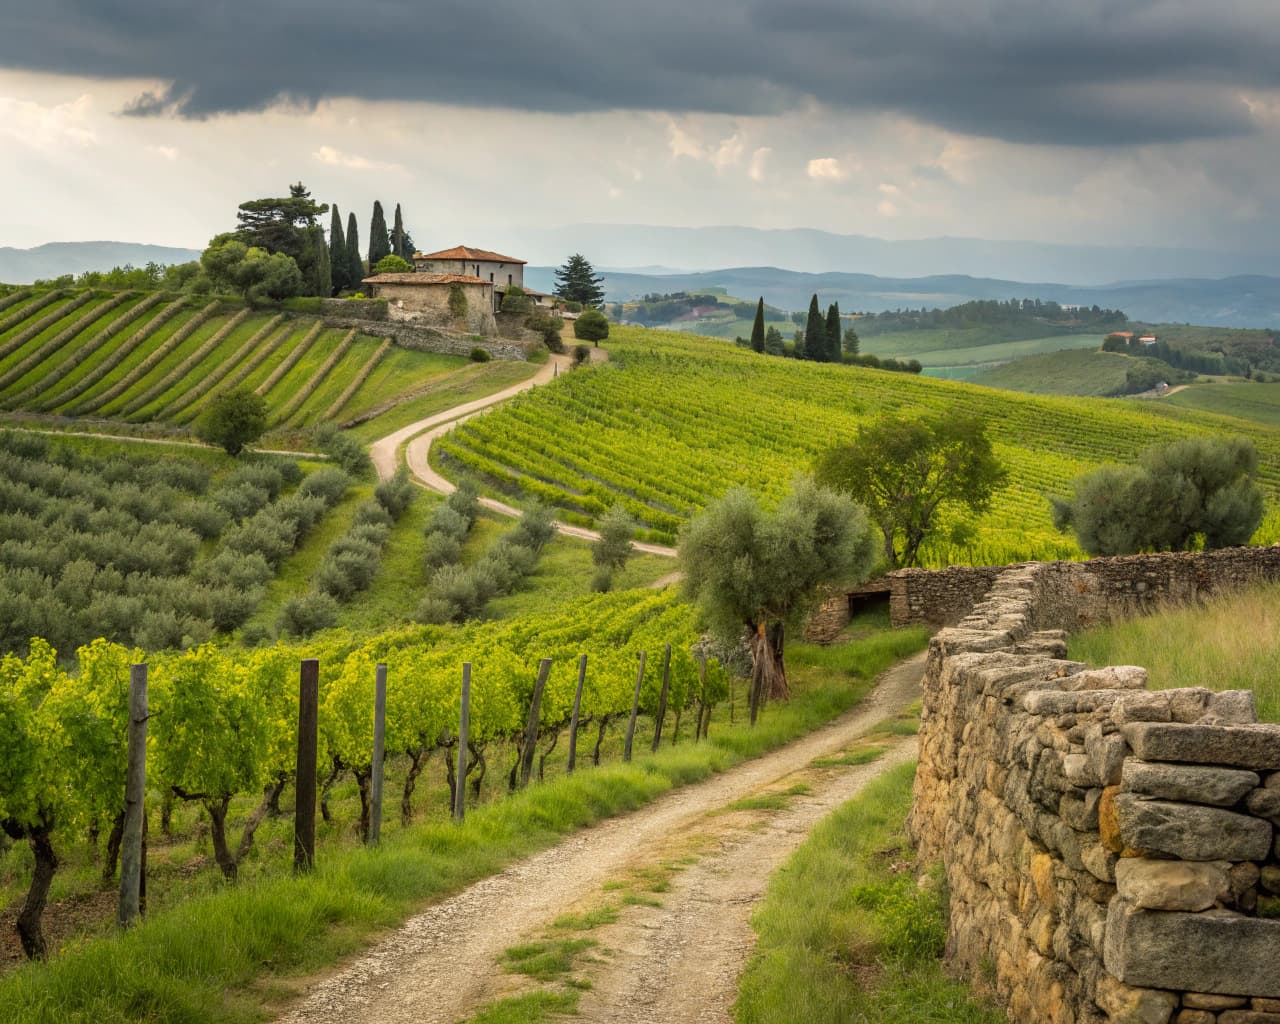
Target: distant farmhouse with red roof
{"x":483,"y":276}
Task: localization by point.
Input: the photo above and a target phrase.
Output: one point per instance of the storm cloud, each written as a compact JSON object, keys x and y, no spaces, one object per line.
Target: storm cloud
{"x":1078,"y":73}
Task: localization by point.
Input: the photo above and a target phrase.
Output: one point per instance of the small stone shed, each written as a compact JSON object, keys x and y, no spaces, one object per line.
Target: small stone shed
{"x":429,"y":293}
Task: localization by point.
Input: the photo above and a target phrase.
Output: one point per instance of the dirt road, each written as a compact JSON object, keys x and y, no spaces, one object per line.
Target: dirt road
{"x":674,"y":962}
{"x":418,"y":438}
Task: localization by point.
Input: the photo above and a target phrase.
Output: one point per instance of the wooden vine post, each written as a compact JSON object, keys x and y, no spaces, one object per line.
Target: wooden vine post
{"x":304,"y":815}
{"x":379,"y":752}
{"x":577,"y":709}
{"x":531,"y":728}
{"x":464,"y":730}
{"x":635,"y":711}
{"x":135,"y":795}
{"x":662,"y":698}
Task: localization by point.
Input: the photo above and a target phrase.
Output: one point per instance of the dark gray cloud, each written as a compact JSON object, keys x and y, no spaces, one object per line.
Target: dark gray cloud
{"x":1071,"y":72}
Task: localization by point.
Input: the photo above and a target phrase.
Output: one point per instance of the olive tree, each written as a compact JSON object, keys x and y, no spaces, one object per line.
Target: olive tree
{"x":759,"y":570}
{"x":1199,"y":490}
{"x":234,"y":420}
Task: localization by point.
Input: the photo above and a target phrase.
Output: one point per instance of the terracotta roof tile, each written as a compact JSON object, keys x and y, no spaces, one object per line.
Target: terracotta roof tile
{"x":464,"y":252}
{"x":424,"y":279}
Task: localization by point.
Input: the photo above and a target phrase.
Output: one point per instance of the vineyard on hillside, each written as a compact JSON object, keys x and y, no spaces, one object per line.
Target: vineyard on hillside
{"x":673,"y":421}
{"x":143,"y":357}
{"x":223,"y":723}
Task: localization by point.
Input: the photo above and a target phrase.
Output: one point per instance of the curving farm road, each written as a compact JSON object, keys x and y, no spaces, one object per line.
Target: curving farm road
{"x":418,"y":437}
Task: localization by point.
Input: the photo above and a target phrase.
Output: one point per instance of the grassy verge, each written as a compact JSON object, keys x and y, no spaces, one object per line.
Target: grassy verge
{"x":220,"y":956}
{"x":846,"y":934}
{"x":1229,"y":642}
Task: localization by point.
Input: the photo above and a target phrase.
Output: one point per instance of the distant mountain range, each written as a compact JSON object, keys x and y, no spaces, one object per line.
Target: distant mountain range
{"x":22,"y":266}
{"x":1227,"y":302}
{"x":642,"y":247}
{"x":1143,"y":288}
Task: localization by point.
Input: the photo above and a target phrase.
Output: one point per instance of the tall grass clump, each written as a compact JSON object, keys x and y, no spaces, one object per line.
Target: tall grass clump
{"x":1227,"y":642}
{"x":847,"y":933}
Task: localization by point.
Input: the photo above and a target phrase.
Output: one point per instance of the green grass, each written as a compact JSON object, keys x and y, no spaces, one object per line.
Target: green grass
{"x":401,"y":582}
{"x":401,"y":371}
{"x":1069,"y":372}
{"x":775,"y":801}
{"x":532,"y":1008}
{"x":1245,"y":400}
{"x":858,"y":756}
{"x":1004,"y":351}
{"x":546,"y":960}
{"x":845,"y":934}
{"x":1230,"y":642}
{"x":466,"y":384}
{"x":209,"y":958}
{"x":153,"y":341}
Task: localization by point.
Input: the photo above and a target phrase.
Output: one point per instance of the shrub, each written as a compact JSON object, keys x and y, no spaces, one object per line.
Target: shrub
{"x":241,"y":501}
{"x":309,"y":304}
{"x":479,"y":355}
{"x":329,"y":484}
{"x":441,"y":549}
{"x":344,"y":449}
{"x":465,"y":500}
{"x":240,"y":569}
{"x":230,"y":607}
{"x":204,"y":519}
{"x":457,"y":586}
{"x":602,"y":580}
{"x":396,"y":494}
{"x":393,"y":264}
{"x":581,"y":353}
{"x":536,"y":527}
{"x":457,"y":301}
{"x":591,"y":326}
{"x":435,"y":611}
{"x":233,"y":420}
{"x":514,"y":300}
{"x":303,"y":510}
{"x":448,"y":520}
{"x":369,"y":533}
{"x":548,"y":326}
{"x":310,"y":613}
{"x":370,"y":513}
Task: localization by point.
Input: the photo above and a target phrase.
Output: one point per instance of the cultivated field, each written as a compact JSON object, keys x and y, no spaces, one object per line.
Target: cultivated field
{"x":1259,"y":403}
{"x":673,"y":421}
{"x":156,"y":357}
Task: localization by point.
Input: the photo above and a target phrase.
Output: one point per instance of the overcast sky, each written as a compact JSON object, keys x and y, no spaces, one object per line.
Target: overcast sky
{"x":1152,"y":121}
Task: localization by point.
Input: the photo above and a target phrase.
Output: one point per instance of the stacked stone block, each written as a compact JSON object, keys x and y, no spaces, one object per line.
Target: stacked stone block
{"x":1110,"y":851}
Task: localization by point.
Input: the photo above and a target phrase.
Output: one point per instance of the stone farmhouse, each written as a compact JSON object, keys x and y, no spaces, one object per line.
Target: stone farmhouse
{"x":483,"y":277}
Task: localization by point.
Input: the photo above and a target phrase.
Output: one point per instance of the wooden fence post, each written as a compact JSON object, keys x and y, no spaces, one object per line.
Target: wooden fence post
{"x":304,"y":813}
{"x":379,"y":752}
{"x":704,"y":706}
{"x":635,"y":711}
{"x":577,"y":709}
{"x":135,"y":796}
{"x":464,"y":736}
{"x":662,"y":699}
{"x":531,"y":728}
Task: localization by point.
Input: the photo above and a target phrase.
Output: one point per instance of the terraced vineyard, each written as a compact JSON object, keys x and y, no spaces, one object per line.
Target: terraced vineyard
{"x":161,"y":357}
{"x":673,"y":421}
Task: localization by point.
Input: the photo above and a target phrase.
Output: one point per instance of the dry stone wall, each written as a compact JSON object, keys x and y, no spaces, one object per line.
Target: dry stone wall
{"x":1099,"y":590}
{"x":1110,"y":850}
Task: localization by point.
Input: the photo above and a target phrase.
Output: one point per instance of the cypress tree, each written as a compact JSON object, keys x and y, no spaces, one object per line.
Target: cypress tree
{"x":323,"y":273}
{"x":398,"y":237}
{"x":833,"y":332}
{"x":355,"y":271}
{"x":379,"y":244}
{"x":757,"y":329}
{"x":339,"y":264}
{"x":815,"y":333}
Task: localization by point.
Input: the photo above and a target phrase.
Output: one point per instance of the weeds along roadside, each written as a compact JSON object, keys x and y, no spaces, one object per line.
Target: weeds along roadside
{"x":221,"y":956}
{"x":846,"y":933}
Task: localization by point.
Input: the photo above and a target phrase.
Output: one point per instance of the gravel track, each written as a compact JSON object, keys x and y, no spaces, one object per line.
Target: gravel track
{"x":679,"y":962}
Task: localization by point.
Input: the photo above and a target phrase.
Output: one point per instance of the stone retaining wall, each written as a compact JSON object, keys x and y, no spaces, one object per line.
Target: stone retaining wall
{"x":1099,"y":590}
{"x":431,"y":339}
{"x":1107,"y":848}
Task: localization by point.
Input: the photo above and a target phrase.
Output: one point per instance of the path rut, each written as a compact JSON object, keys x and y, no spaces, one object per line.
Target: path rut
{"x":680,"y":966}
